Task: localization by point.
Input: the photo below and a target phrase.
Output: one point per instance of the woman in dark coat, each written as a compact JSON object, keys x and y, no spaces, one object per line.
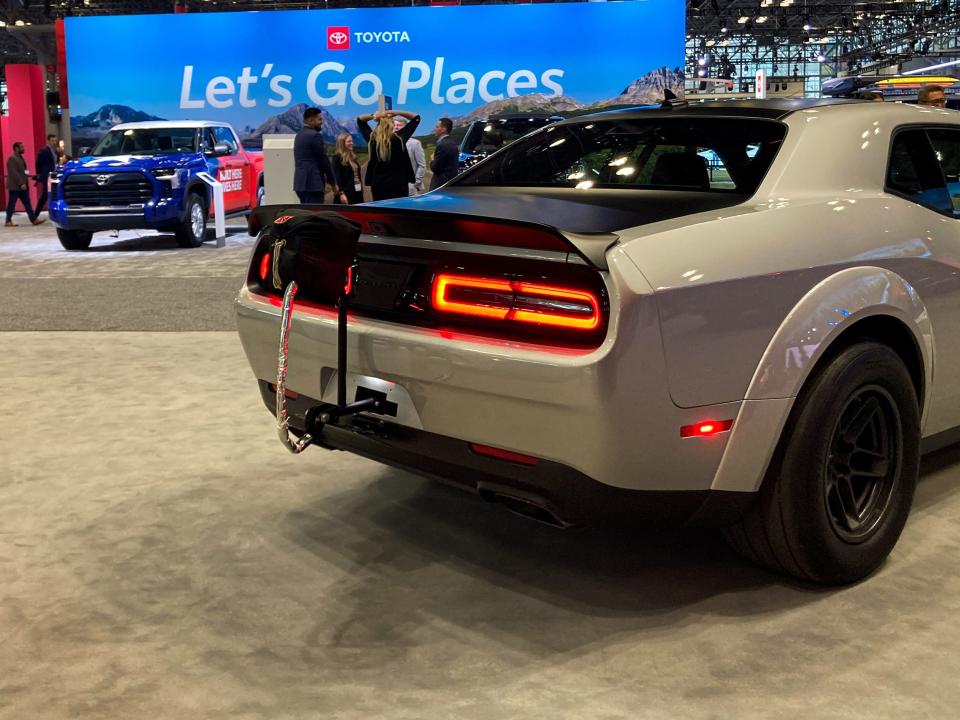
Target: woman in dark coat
{"x":346,"y":172}
{"x":389,"y":171}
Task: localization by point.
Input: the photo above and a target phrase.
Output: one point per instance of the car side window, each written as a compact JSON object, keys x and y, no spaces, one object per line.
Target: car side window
{"x":226,"y":137}
{"x":946,"y":147}
{"x":913,"y":171}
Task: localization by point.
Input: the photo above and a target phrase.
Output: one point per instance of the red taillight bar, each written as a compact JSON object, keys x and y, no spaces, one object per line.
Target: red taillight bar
{"x":265,"y":266}
{"x":442,"y":284}
{"x":515,"y":300}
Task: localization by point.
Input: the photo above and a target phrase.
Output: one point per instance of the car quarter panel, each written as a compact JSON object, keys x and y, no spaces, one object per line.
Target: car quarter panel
{"x":606,"y":412}
{"x":727,"y":281}
{"x":827,"y":310}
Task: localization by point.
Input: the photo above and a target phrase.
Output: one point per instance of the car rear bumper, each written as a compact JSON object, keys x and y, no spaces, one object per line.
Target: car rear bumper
{"x":605,"y":413}
{"x":547,"y":491}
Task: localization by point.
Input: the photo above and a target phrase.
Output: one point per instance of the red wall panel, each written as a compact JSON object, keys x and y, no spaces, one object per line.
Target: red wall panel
{"x":26,"y":100}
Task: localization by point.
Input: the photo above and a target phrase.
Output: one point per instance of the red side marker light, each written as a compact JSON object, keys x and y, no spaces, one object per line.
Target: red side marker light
{"x":706,"y":428}
{"x":500,"y":454}
{"x":348,"y":286}
{"x":265,"y":266}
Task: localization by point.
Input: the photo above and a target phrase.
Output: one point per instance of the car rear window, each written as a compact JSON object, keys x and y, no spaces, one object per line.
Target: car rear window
{"x":663,"y":153}
{"x":488,"y":137}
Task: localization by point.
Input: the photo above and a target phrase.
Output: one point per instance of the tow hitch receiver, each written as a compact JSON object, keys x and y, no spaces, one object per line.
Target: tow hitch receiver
{"x":330,"y":238}
{"x":329,"y":415}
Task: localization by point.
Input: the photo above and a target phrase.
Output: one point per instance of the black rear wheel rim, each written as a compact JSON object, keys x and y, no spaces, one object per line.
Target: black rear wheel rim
{"x":864,"y":463}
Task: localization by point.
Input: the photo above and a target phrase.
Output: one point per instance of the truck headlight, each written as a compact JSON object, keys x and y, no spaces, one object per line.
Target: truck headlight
{"x":55,"y":176}
{"x":164,"y":173}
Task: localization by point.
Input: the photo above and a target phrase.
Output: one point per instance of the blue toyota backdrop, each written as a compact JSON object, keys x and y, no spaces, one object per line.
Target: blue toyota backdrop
{"x":257,"y":70}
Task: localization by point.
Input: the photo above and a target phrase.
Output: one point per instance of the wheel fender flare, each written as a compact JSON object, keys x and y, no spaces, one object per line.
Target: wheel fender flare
{"x":198,"y":187}
{"x":809,"y":329}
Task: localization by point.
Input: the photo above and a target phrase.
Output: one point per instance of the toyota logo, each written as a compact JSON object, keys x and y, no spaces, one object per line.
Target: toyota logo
{"x":338,"y":37}
{"x":102,"y":179}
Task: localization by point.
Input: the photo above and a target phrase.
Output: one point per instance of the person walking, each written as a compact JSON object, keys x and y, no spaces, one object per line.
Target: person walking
{"x":389,"y":172}
{"x":311,"y":166}
{"x":417,"y":159}
{"x":46,"y":162}
{"x":346,"y":171}
{"x":446,"y":156}
{"x":17,"y":179}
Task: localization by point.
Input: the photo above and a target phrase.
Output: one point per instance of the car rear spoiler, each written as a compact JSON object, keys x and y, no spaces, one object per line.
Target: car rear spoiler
{"x":452,"y":227}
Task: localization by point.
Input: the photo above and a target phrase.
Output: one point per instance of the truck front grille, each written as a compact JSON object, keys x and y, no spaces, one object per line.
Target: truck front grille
{"x":107,"y":189}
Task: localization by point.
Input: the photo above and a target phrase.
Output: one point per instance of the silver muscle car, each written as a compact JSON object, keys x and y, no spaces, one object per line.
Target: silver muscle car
{"x":743,"y":314}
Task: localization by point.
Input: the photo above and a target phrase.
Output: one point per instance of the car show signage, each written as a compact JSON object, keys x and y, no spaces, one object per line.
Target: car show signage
{"x":253,"y":69}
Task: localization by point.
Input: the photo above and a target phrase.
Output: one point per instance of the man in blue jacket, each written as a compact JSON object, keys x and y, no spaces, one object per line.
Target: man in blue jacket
{"x":311,"y":170}
{"x":445,"y":156}
{"x":46,"y":162}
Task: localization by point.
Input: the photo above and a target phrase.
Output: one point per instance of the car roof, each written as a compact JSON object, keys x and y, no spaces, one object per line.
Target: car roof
{"x":522,"y":116}
{"x":169,"y":124}
{"x":774,"y":109}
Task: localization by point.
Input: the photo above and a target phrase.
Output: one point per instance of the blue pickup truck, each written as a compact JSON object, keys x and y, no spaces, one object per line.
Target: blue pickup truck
{"x":147,"y":175}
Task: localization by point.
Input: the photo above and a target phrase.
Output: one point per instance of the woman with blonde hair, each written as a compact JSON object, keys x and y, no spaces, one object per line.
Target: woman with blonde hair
{"x":346,"y":172}
{"x":389,"y":170}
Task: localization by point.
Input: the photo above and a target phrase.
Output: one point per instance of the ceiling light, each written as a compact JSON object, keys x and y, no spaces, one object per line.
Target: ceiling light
{"x":742,"y":20}
{"x":762,"y":19}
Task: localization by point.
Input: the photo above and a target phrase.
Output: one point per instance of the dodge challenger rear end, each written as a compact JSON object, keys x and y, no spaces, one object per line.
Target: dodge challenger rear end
{"x":517,"y":336}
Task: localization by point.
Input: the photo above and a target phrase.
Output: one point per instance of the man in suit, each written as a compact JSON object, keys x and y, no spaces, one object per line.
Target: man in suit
{"x":46,"y":162}
{"x":417,"y":160}
{"x":17,"y":187}
{"x":311,"y":170}
{"x":446,"y":155}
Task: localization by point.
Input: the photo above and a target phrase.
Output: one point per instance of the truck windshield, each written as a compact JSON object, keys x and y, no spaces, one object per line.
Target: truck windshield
{"x":147,"y":141}
{"x":661,"y":153}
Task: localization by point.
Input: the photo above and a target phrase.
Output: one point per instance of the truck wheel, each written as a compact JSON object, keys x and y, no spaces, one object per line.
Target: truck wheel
{"x":74,"y":239}
{"x":841,"y":485}
{"x":193,"y":230}
{"x":261,"y":193}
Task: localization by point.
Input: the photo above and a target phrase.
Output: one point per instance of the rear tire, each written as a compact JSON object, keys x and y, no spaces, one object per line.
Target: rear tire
{"x":193,"y":229}
{"x":840,"y":487}
{"x":74,"y":239}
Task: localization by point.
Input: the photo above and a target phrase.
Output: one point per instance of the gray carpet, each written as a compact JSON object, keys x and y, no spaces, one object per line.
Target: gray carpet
{"x":154,"y":304}
{"x":162,"y":556}
{"x":137,"y":281}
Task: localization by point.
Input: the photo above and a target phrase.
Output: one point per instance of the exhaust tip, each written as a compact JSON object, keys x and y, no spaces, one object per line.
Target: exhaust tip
{"x":528,"y":508}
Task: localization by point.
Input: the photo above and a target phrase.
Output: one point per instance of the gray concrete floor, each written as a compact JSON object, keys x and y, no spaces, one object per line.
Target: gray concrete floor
{"x":162,"y":556}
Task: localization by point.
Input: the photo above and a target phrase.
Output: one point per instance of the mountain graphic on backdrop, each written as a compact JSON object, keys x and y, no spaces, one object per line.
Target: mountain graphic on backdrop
{"x":645,"y":90}
{"x":86,"y":130}
{"x":648,"y":89}
{"x":291,"y":121}
{"x":97,"y":123}
{"x":534,"y":102}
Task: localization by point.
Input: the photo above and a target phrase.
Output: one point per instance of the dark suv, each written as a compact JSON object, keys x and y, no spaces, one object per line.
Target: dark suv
{"x":484,"y":137}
